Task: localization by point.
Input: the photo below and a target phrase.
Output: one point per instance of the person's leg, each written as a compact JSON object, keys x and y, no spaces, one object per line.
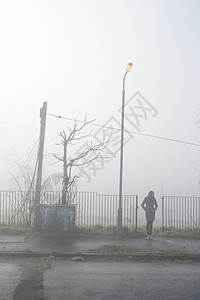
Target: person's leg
{"x":148,"y":227}
{"x":148,"y":230}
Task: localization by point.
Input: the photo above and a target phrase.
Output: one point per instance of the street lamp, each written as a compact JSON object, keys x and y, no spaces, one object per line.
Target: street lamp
{"x":128,"y":68}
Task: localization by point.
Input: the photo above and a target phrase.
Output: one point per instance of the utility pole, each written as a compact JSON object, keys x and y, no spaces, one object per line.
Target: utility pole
{"x":43,"y":114}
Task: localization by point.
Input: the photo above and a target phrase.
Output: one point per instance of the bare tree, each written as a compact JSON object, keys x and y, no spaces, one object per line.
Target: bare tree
{"x":92,"y":153}
{"x":23,"y":207}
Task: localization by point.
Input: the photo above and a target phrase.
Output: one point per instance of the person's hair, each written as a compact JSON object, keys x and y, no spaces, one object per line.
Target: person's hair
{"x":150,"y":194}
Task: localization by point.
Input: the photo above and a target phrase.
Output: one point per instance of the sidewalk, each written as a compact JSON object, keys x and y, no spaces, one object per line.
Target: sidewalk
{"x":33,"y":244}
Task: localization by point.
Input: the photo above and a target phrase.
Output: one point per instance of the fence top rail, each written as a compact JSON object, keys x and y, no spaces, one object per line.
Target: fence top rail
{"x":59,"y":192}
{"x":117,"y":195}
{"x":181,"y":197}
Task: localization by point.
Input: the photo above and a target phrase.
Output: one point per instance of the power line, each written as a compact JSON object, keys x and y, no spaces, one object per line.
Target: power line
{"x":128,"y":131}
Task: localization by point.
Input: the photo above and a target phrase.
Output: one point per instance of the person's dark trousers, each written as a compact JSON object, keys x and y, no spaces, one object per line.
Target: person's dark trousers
{"x":149,"y":227}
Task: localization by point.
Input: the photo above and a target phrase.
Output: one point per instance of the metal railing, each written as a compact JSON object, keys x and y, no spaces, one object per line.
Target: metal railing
{"x":16,"y":209}
{"x":91,"y":209}
{"x":180,"y":213}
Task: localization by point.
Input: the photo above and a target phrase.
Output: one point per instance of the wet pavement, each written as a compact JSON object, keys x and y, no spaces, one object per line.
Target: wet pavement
{"x":56,"y":280}
{"x":90,"y":244}
{"x":96,"y":277}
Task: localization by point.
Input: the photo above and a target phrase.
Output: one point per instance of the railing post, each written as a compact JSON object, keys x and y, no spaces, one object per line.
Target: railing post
{"x":136,"y":214}
{"x":163,"y":214}
{"x":198,"y":213}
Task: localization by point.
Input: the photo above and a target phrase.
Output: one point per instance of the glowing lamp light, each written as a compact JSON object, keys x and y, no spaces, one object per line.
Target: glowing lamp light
{"x":128,"y":68}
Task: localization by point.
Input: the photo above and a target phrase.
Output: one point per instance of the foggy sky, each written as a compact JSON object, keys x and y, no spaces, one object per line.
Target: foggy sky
{"x":73,"y":54}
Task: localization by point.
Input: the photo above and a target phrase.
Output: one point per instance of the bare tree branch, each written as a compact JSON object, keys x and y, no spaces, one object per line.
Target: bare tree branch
{"x":58,"y":157}
{"x":90,"y":154}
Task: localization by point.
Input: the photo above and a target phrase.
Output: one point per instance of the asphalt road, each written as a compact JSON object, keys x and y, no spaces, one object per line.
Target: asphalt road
{"x":98,"y":280}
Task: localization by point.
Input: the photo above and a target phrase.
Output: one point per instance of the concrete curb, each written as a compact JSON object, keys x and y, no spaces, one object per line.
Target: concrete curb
{"x":96,"y":256}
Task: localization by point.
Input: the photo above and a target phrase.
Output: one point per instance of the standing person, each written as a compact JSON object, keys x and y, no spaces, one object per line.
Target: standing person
{"x":150,"y":205}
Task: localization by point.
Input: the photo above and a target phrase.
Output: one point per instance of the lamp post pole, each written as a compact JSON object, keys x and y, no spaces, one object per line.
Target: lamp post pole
{"x":122,"y":152}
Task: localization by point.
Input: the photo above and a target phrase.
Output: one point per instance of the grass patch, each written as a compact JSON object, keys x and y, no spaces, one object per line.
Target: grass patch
{"x":171,"y":232}
{"x":99,"y":231}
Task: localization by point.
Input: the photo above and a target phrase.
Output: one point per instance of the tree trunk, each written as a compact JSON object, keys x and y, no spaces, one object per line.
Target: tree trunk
{"x":65,"y":177}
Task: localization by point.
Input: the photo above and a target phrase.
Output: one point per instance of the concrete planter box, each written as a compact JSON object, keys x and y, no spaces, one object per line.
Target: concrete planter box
{"x":54,"y":217}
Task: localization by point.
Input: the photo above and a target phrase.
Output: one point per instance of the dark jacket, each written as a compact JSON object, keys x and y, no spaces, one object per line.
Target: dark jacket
{"x":150,"y":205}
